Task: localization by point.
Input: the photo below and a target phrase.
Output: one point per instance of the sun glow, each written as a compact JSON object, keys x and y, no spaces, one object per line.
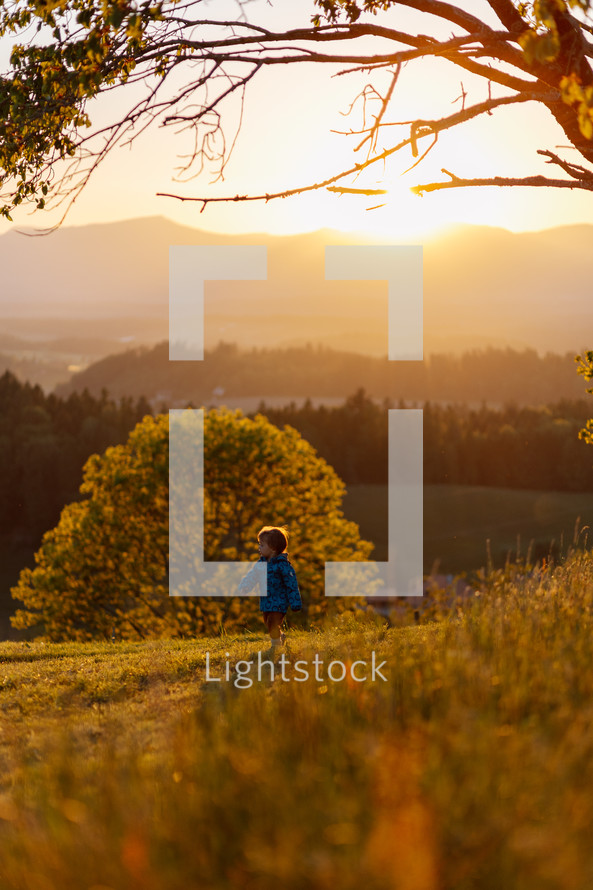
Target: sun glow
{"x":399,"y":212}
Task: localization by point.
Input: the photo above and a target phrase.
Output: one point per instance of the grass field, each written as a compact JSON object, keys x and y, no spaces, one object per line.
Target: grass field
{"x":468,"y":768}
{"x":459,"y":521}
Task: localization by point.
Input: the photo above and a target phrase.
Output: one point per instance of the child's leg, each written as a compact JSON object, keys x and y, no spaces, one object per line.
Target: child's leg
{"x":273,"y":622}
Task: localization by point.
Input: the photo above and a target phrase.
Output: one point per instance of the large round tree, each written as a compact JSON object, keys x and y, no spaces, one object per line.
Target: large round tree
{"x":104,"y":566}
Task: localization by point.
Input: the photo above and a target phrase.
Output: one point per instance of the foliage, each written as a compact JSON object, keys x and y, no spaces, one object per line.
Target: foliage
{"x":181,"y":70}
{"x":104,"y":567}
{"x":470,"y":767}
{"x":105,"y":562}
{"x":585,"y":369}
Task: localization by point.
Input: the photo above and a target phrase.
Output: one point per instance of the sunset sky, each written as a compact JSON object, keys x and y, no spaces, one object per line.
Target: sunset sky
{"x":285,"y":141}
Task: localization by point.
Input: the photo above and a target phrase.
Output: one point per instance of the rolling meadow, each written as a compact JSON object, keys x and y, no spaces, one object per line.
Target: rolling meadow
{"x":125,"y":766}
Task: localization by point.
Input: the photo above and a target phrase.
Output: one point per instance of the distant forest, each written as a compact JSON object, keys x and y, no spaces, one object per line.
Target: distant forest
{"x":513,"y":447}
{"x":495,"y":376}
{"x":45,"y":441}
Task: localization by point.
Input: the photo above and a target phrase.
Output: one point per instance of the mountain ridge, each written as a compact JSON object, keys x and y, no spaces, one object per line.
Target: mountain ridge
{"x":483,"y":286}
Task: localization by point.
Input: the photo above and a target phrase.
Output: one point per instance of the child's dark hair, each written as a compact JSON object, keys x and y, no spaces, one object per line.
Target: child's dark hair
{"x":276,"y":537}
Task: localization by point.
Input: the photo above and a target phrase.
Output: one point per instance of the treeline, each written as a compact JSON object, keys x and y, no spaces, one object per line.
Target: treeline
{"x":48,"y":373}
{"x":44,"y":443}
{"x":492,"y":375}
{"x":515,"y":447}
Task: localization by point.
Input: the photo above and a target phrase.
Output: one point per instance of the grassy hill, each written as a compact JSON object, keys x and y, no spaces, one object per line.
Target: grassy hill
{"x":468,"y":767}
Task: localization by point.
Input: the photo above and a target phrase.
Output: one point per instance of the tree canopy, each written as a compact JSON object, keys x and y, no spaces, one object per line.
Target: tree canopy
{"x":178,"y":68}
{"x":104,"y":567}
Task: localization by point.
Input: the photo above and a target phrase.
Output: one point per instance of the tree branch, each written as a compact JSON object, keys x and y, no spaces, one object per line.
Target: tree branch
{"x":450,"y":13}
{"x":508,"y":15}
{"x":574,"y":170}
{"x":343,"y":190}
{"x":46,"y":93}
{"x":537,"y":181}
{"x":419,"y":129}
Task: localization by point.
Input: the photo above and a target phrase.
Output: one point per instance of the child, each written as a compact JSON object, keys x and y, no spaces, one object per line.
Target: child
{"x":283,"y":588}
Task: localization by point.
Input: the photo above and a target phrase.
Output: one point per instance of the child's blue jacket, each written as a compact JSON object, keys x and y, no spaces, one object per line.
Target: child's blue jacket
{"x":283,"y":589}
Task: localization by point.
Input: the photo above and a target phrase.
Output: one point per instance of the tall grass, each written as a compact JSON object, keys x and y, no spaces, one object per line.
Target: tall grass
{"x":471,"y":767}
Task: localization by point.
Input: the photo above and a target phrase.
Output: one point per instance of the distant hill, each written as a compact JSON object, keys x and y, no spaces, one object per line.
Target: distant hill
{"x":240,"y":378}
{"x":482,"y":287}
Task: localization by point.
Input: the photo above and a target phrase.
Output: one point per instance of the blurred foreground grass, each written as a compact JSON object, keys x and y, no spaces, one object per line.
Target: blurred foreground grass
{"x":471,"y":767}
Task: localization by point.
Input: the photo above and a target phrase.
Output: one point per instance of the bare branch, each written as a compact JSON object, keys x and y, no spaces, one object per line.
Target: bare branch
{"x":241,"y":82}
{"x":428,"y":128}
{"x":496,"y":48}
{"x":448,"y":12}
{"x":424,"y":153}
{"x":574,"y":170}
{"x":531,"y":181}
{"x":373,"y":132}
{"x":508,"y":15}
{"x":342,"y":190}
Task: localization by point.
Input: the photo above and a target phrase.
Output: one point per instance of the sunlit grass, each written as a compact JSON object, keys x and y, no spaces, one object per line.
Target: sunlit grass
{"x":471,"y":767}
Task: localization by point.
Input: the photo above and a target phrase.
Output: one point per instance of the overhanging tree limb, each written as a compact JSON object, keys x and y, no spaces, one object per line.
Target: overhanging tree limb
{"x":457,"y":182}
{"x":47,"y":153}
{"x":418,"y":130}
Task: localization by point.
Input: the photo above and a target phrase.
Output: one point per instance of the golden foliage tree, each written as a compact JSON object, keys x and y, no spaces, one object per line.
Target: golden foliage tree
{"x":104,"y":566}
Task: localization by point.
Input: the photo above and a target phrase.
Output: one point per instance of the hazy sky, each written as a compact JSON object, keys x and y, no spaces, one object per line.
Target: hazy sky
{"x":285,"y":141}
